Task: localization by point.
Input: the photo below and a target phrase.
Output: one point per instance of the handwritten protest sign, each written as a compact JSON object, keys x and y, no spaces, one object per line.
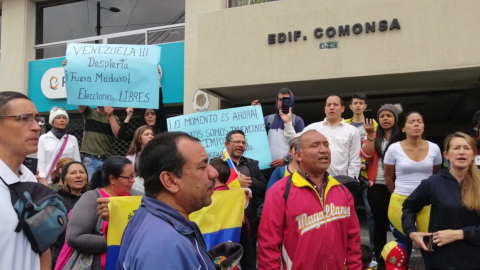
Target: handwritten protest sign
{"x":211,"y":129}
{"x":115,"y":75}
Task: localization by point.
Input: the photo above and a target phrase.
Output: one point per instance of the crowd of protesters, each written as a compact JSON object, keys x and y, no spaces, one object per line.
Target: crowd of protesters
{"x":299,"y":214}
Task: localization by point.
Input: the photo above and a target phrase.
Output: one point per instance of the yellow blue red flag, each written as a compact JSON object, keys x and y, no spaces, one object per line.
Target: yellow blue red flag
{"x":122,"y":209}
{"x":233,"y":179}
{"x":220,"y":222}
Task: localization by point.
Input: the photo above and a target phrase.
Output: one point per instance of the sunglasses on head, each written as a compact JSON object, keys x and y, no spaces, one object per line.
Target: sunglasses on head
{"x":55,"y":108}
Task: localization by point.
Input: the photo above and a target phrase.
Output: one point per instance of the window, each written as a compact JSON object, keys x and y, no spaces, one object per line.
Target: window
{"x":68,"y":20}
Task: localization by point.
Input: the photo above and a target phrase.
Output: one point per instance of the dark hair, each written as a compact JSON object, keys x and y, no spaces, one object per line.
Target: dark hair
{"x":236,"y":131}
{"x":159,"y":155}
{"x":367,"y":254}
{"x":284,"y":91}
{"x":112,"y":166}
{"x":222,"y":168}
{"x":161,"y":120}
{"x":6,"y":97}
{"x":400,"y":136}
{"x":63,"y":189}
{"x":380,"y":136}
{"x":361,"y":96}
{"x":335,"y":95}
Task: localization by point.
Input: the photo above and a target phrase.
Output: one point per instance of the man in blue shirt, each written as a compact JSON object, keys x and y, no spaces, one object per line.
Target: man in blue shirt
{"x":178,"y":181}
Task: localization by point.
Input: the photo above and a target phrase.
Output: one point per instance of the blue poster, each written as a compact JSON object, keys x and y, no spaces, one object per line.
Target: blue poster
{"x":211,"y":129}
{"x":115,"y":75}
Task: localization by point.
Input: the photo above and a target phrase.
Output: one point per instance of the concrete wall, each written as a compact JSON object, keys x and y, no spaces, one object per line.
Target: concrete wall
{"x":18,"y":39}
{"x":192,"y":9}
{"x":435,"y":35}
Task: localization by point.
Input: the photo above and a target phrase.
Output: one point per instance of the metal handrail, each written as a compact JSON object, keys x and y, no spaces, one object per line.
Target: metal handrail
{"x":105,"y":38}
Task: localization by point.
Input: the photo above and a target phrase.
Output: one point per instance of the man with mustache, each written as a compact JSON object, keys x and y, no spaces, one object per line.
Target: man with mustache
{"x":178,"y":181}
{"x":19,"y":135}
{"x":308,"y":219}
{"x":249,"y":176}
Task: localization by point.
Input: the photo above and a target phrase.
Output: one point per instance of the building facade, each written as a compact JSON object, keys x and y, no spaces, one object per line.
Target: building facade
{"x":422,"y":54}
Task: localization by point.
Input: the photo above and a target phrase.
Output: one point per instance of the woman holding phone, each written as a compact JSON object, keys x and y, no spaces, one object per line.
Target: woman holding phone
{"x":410,"y":159}
{"x":454,"y":196}
{"x":373,"y":151}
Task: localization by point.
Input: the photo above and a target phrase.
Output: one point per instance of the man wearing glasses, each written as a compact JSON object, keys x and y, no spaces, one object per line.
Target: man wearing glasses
{"x":249,"y":176}
{"x":19,"y":134}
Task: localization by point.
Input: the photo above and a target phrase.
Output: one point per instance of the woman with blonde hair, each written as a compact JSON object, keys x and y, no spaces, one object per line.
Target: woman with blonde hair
{"x":453,"y":236}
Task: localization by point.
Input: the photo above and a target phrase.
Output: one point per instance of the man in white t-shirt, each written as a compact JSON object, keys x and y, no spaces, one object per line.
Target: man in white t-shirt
{"x":19,"y":134}
{"x":344,"y":139}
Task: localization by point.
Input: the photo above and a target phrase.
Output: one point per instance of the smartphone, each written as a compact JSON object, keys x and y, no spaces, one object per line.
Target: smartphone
{"x":285,"y":105}
{"x":368,"y":114}
{"x":428,"y":240}
{"x":31,"y":164}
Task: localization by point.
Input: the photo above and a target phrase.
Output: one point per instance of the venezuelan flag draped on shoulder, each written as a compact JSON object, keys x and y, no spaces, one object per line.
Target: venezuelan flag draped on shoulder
{"x":220,"y":222}
{"x":233,"y":179}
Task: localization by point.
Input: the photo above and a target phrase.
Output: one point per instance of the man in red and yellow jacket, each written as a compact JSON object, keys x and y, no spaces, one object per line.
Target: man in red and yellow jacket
{"x":309,"y":220}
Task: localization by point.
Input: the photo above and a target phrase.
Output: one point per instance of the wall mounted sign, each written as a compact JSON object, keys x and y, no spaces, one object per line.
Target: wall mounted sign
{"x":200,"y":101}
{"x":328,"y":45}
{"x":340,"y":31}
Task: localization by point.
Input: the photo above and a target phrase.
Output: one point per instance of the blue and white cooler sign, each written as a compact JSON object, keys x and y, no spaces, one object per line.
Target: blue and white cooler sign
{"x":110,"y":74}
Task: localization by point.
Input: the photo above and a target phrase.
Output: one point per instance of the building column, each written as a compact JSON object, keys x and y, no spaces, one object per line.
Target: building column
{"x":192,"y":9}
{"x":18,"y":39}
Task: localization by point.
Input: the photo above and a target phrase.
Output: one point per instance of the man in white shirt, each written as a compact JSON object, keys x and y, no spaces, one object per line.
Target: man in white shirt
{"x":344,"y":139}
{"x":19,"y":134}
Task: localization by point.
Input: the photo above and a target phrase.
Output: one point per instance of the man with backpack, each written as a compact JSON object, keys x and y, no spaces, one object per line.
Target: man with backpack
{"x":275,"y":125}
{"x":309,"y":219}
{"x":19,"y":135}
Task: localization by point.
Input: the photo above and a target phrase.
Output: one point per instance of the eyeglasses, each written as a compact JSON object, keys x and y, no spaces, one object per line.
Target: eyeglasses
{"x":26,"y":118}
{"x":129,"y":178}
{"x":239,"y":142}
{"x":55,"y":108}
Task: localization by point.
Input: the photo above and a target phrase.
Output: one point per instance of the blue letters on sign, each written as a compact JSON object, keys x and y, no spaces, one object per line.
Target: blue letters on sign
{"x":115,"y":75}
{"x":211,"y":129}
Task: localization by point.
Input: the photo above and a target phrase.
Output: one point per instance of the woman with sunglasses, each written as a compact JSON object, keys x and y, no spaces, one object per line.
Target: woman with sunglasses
{"x":154,"y":118}
{"x":86,"y":231}
{"x":55,"y":144}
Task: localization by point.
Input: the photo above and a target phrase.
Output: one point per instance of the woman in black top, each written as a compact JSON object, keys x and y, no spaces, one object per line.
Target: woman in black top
{"x":455,"y":214}
{"x":73,"y":183}
{"x":154,"y":118}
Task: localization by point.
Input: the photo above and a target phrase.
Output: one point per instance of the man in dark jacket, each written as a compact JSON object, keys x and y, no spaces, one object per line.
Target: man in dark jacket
{"x":249,"y":176}
{"x":178,"y":181}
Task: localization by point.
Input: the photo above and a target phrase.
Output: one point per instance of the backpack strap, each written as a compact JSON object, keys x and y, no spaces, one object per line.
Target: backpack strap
{"x":27,"y":206}
{"x":287,"y":189}
{"x":269,"y":122}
